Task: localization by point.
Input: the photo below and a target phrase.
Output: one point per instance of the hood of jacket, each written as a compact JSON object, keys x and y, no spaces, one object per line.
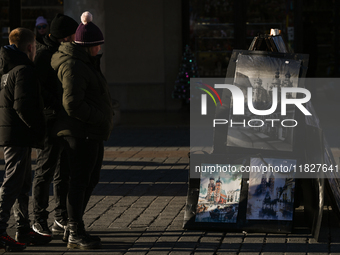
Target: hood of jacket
{"x":49,"y":42}
{"x":10,"y":57}
{"x":68,"y":51}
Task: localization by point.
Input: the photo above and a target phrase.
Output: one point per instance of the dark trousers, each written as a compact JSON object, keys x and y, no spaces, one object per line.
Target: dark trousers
{"x":16,"y":185}
{"x":85,"y":161}
{"x":51,"y":162}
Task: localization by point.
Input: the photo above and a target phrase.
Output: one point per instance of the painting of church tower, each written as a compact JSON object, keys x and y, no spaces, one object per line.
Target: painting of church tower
{"x":278,"y":83}
{"x":218,"y":190}
{"x":218,"y":195}
{"x":287,"y":83}
{"x":211,"y":188}
{"x":271,"y":183}
{"x":260,"y":95}
{"x":267,"y":183}
{"x":265,"y":74}
{"x":271,"y":194}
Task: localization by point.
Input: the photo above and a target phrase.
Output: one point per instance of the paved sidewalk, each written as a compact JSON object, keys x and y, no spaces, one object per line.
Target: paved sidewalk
{"x":138,"y":206}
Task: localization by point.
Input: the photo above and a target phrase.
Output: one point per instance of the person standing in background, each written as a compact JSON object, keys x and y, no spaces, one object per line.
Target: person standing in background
{"x":22,"y":127}
{"x":41,"y":27}
{"x":51,"y":161}
{"x":87,"y":120}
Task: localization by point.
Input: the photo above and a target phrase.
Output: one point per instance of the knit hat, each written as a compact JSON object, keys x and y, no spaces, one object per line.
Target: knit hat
{"x":88,"y":34}
{"x":63,"y":26}
{"x":40,"y":20}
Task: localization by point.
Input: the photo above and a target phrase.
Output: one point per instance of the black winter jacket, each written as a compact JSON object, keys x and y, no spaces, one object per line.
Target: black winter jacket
{"x":51,"y":89}
{"x":86,"y":98}
{"x":22,"y":122}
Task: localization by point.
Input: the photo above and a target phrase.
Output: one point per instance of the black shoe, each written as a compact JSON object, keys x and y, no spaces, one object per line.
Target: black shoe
{"x":31,"y":237}
{"x":59,"y":227}
{"x":78,"y":240}
{"x":9,"y":244}
{"x":93,"y":238}
{"x":42,"y":228}
{"x":82,"y":229}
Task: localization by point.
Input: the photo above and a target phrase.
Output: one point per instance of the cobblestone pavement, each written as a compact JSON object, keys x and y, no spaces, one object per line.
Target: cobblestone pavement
{"x":138,"y":206}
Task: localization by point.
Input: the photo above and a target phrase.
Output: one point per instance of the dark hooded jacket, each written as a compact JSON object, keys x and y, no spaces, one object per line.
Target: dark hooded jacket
{"x":50,"y":85}
{"x":22,"y":121}
{"x":86,"y":99}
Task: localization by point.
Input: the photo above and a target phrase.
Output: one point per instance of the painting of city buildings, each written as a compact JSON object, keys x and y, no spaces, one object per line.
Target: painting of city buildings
{"x":263,"y":74}
{"x":271,"y":195}
{"x":219,"y":196}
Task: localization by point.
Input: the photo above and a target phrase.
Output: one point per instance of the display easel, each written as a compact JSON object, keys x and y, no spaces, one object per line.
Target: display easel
{"x":313,"y":195}
{"x":308,"y":148}
{"x":272,"y":42}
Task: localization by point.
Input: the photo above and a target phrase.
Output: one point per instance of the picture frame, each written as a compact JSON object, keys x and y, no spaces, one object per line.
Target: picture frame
{"x":226,"y":144}
{"x":196,"y":217}
{"x":271,"y":193}
{"x":226,"y":153}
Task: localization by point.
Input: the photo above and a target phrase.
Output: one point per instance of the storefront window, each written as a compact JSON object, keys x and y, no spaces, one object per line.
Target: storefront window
{"x":212,"y":29}
{"x":308,"y":27}
{"x":320,"y":37}
{"x":211,"y":35}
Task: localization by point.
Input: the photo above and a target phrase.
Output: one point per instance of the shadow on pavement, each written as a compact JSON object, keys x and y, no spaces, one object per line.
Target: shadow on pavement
{"x":149,"y":137}
{"x":141,"y":163}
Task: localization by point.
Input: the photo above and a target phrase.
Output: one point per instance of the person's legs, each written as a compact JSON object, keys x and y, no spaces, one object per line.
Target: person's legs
{"x":20,"y":207}
{"x":47,"y":164}
{"x":95,"y":174}
{"x":14,"y":186}
{"x":82,"y":156}
{"x":83,"y":159}
{"x":14,"y":192}
{"x":50,"y":165}
{"x":60,"y":187}
{"x":17,"y":167}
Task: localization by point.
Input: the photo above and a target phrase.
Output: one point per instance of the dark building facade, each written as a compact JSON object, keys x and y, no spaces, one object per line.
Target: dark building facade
{"x":145,"y":39}
{"x":312,"y":27}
